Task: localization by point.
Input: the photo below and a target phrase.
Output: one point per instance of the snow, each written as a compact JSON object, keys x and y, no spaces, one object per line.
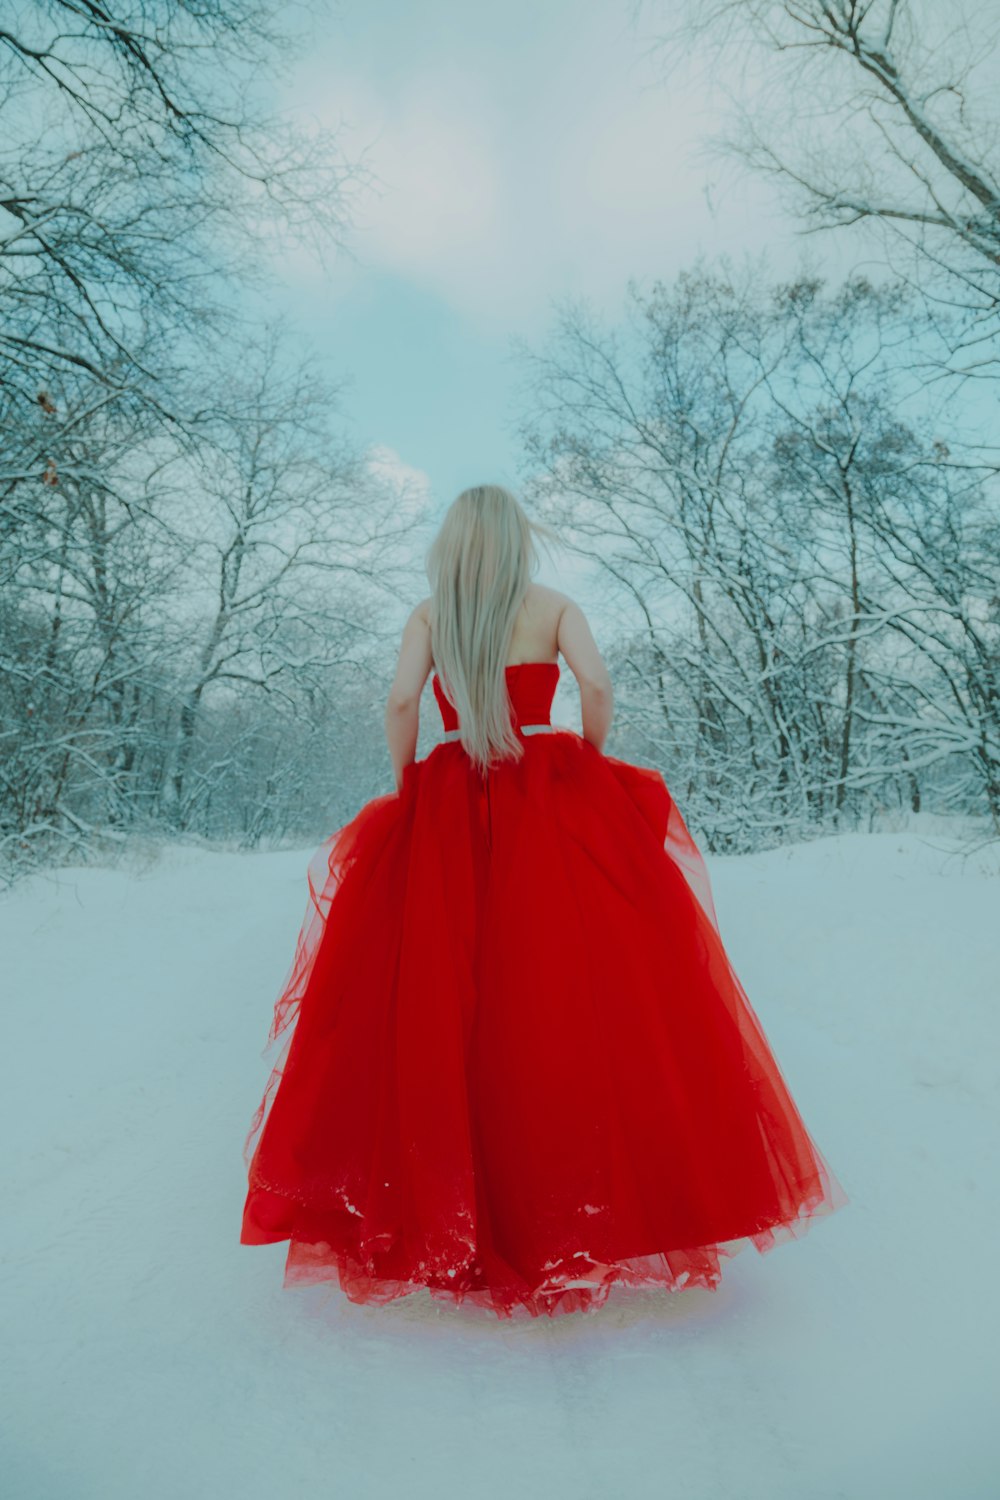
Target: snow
{"x":147,"y":1352}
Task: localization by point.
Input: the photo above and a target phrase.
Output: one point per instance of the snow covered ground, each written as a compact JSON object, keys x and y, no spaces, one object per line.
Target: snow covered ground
{"x":146,"y":1353}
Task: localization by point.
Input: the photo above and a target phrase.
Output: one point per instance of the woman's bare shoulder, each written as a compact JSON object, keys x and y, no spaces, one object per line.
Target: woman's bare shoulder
{"x":541,"y":596}
{"x":538,"y":597}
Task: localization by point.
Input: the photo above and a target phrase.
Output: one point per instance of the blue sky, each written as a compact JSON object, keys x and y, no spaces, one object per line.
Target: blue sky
{"x":525,"y":153}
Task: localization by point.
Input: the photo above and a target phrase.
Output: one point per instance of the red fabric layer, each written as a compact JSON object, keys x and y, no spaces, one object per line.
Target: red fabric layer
{"x":516,"y":1065}
{"x":530,"y":687}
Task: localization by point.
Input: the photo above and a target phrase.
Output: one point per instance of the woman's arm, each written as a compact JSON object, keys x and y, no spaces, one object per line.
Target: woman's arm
{"x":402,"y":709}
{"x":585,"y":661}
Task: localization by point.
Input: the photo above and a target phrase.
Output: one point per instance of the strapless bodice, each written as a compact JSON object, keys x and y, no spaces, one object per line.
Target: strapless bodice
{"x":531,"y":685}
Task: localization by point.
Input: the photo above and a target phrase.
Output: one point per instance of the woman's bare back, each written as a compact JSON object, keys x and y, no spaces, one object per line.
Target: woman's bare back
{"x":550,"y":623}
{"x":536,"y":626}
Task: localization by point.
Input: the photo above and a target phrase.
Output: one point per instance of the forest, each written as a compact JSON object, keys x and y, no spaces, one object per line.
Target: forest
{"x":786,"y":486}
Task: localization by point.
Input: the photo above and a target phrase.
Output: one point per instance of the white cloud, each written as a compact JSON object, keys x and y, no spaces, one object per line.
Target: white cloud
{"x":509,"y":177}
{"x":411,"y":486}
{"x":439,"y":207}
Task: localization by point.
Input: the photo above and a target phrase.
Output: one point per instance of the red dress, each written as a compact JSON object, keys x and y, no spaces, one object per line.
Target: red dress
{"x":516,"y":1065}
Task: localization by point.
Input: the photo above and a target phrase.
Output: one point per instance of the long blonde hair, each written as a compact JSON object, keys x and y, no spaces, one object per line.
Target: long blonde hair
{"x":479,"y":567}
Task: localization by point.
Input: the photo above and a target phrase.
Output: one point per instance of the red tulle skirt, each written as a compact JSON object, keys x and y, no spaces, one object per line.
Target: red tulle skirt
{"x":516,"y":1066}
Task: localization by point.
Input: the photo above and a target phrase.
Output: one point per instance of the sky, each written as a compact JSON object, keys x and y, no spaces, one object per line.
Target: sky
{"x":524,"y":154}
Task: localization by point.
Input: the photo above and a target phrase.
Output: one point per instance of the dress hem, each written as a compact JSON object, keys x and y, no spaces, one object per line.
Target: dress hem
{"x":583,"y":1288}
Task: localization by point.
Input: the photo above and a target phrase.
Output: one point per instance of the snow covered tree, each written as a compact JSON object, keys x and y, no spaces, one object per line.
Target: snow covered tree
{"x":873,"y":113}
{"x":803,"y":646}
{"x":138,"y":161}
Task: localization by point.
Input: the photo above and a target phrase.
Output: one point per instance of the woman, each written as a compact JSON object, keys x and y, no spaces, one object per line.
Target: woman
{"x":517,"y":1066}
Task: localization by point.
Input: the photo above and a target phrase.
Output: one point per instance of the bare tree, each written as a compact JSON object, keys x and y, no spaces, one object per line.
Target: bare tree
{"x":741,"y":463}
{"x":878,"y":113}
{"x":137,"y":162}
{"x":194,"y":564}
{"x":191,"y":627}
{"x":79,"y":571}
{"x":640,"y":448}
{"x":294,"y":534}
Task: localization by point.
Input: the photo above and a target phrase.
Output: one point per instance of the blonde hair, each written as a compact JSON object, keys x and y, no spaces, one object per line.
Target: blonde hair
{"x":479,"y":567}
